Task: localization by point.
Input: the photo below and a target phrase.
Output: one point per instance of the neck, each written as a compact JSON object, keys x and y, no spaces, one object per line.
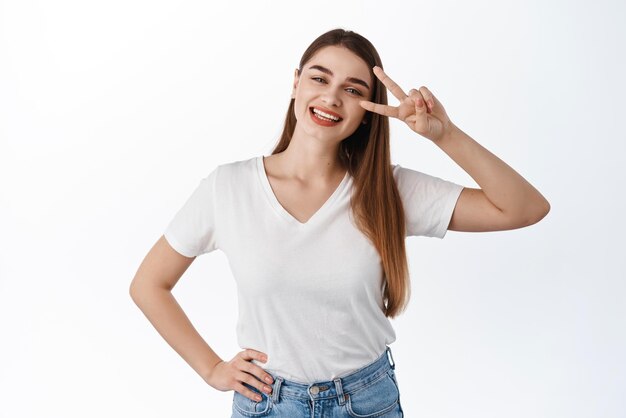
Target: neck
{"x":310,"y":160}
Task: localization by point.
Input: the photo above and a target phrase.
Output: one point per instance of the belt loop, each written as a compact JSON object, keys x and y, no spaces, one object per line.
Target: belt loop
{"x":277,"y":382}
{"x":390,"y":358}
{"x":340,"y":395}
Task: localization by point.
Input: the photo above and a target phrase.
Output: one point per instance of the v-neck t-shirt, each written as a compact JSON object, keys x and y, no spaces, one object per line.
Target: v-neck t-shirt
{"x":309,"y":293}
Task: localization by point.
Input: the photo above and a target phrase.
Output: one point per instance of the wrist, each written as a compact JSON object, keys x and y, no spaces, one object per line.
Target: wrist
{"x":207,"y":375}
{"x":450,"y":132}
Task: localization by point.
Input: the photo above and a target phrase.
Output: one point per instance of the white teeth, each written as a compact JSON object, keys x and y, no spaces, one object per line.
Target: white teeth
{"x":326,"y":115}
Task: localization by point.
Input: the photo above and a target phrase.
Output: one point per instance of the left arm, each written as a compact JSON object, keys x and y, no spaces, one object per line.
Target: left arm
{"x":504,"y":201}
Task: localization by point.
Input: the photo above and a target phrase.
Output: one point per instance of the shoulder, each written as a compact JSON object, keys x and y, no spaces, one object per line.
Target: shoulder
{"x":407,"y":176}
{"x":235,"y":170}
{"x":413,"y":182}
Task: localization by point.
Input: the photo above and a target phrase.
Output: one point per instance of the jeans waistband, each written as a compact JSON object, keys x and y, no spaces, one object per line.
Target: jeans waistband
{"x":337,"y":387}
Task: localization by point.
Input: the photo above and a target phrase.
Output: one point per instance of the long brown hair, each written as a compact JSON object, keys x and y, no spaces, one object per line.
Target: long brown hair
{"x":376,"y":202}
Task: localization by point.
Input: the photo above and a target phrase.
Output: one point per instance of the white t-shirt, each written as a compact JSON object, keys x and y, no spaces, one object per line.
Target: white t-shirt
{"x":310,"y":294}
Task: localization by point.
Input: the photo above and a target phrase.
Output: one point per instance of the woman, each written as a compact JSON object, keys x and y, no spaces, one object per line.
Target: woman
{"x":314,"y":234}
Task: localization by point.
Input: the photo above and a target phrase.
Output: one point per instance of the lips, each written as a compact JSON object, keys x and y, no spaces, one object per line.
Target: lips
{"x":324,"y":117}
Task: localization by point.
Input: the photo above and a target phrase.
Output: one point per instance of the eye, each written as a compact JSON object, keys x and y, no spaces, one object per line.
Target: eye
{"x":353,"y":91}
{"x":318,"y":79}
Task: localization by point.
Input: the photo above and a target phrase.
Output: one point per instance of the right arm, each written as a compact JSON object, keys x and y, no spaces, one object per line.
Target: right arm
{"x":151,"y":290}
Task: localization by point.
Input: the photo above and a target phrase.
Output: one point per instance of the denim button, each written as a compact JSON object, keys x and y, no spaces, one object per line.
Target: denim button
{"x":314,"y":390}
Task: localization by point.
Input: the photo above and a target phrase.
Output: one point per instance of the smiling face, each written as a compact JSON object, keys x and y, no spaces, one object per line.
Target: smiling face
{"x":327,"y":93}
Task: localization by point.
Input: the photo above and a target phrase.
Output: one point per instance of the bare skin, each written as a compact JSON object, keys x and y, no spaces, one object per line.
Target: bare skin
{"x":505,"y":200}
{"x":301,"y":199}
{"x":151,"y":290}
{"x":325,"y":83}
{"x":308,"y":171}
{"x":303,"y":177}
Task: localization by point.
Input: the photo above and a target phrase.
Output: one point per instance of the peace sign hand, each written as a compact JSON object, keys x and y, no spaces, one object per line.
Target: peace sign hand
{"x":430,"y":121}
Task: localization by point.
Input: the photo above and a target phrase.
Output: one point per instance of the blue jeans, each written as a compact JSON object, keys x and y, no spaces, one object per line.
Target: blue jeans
{"x":371,"y":391}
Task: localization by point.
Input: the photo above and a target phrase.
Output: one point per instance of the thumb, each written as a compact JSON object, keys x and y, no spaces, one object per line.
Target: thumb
{"x":420,"y":106}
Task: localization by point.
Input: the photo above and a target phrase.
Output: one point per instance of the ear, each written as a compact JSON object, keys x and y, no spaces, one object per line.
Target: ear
{"x":296,"y":78}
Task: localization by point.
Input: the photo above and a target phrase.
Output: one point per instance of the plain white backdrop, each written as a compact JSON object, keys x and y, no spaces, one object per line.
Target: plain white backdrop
{"x":111,"y":112}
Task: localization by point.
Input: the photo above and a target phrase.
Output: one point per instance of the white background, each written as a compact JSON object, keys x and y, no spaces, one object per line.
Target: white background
{"x":111,"y":112}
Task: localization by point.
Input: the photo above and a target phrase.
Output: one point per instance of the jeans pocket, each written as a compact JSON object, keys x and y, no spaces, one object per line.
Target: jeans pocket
{"x":249,"y":408}
{"x":376,"y":399}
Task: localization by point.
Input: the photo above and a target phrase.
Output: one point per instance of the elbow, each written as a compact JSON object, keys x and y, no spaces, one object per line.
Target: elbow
{"x":142,"y":291}
{"x":528,"y":215}
{"x":136,"y":291}
{"x":537,"y":212}
{"x":133,"y":291}
{"x":546,"y":209}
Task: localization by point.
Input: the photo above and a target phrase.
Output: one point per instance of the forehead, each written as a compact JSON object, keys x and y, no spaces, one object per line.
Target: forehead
{"x":341,"y":61}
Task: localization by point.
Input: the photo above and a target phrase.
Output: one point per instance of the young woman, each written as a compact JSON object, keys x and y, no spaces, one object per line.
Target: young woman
{"x":314,"y":234}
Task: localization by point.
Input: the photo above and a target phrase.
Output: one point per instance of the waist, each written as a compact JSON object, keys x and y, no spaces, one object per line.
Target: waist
{"x":337,"y":387}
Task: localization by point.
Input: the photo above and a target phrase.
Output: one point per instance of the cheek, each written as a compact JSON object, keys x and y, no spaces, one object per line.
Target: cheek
{"x":299,"y":108}
{"x":358,"y":112}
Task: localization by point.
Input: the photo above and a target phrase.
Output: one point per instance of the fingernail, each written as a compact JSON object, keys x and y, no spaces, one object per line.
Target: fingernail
{"x":268,"y":379}
{"x":258,"y":398}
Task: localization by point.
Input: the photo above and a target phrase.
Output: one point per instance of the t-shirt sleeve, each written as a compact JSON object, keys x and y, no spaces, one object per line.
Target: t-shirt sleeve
{"x":192,"y":231}
{"x":428,"y":201}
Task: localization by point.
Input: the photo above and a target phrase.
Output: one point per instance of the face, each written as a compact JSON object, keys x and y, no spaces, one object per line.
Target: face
{"x":327,"y":93}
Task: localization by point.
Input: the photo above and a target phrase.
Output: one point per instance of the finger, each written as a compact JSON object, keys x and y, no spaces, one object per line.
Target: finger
{"x":384,"y":110}
{"x":252,"y":381}
{"x":420,"y":121}
{"x":416,"y":94}
{"x":413,"y":92}
{"x":429,"y":97}
{"x":248,"y":393}
{"x":250,"y":354}
{"x":390,"y":84}
{"x":420,"y":106}
{"x":255,"y":370}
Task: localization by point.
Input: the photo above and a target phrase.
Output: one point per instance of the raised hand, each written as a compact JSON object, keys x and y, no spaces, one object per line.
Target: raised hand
{"x":420,"y":109}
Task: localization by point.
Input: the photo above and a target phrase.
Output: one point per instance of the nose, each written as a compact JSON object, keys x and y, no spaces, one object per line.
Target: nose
{"x":331,"y":97}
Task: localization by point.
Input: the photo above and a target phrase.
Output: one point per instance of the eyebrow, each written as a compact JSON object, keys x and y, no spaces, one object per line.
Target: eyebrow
{"x":350,"y":79}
